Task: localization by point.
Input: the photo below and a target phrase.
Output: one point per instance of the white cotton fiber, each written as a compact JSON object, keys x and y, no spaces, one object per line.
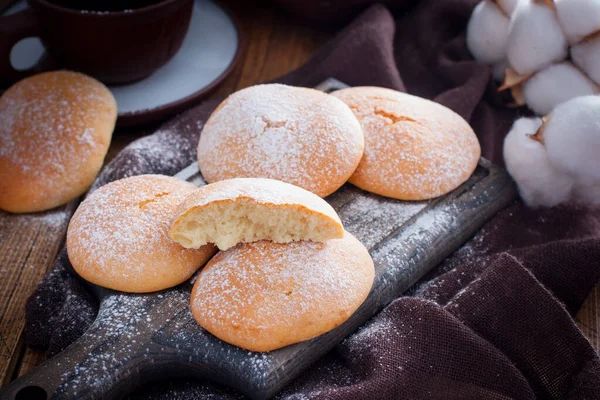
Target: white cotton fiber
{"x":507,"y":6}
{"x":540,"y":184}
{"x":554,"y":85}
{"x":536,"y":39}
{"x":578,"y":18}
{"x":586,"y":55}
{"x":487,"y":32}
{"x":572,"y":138}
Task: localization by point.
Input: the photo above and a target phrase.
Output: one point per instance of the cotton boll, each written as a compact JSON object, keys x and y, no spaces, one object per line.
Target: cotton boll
{"x":572,"y":138}
{"x":554,"y":85}
{"x":579,"y":18}
{"x":540,"y":184}
{"x":507,"y":6}
{"x":487,"y":32}
{"x":587,"y":56}
{"x":536,"y":39}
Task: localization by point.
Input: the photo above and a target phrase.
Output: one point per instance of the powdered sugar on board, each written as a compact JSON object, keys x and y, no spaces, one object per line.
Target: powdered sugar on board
{"x":166,"y":152}
{"x":136,"y":333}
{"x":120,"y":335}
{"x":337,"y":375}
{"x":297,"y":135}
{"x":413,"y":243}
{"x":372,"y":218}
{"x":458,"y":270}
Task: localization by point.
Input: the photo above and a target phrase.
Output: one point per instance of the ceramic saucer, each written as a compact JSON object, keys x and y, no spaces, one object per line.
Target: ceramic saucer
{"x":208,"y":54}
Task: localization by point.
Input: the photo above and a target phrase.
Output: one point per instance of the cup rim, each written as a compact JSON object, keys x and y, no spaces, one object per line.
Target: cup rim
{"x":83,"y":13}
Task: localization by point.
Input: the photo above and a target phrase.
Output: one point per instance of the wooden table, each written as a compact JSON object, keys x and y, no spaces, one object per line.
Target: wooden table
{"x":277,"y":44}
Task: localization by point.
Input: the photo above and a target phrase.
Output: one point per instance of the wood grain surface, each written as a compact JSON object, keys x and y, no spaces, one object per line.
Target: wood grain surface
{"x":277,"y":43}
{"x":28,"y":245}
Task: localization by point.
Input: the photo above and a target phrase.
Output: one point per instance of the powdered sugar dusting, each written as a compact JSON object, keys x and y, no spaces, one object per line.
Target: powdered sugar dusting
{"x":53,"y":219}
{"x":48,"y":124}
{"x":118,"y":335}
{"x":330,"y":376}
{"x":414,"y":148}
{"x":118,"y":237}
{"x":296,"y":135}
{"x":372,"y":218}
{"x":458,"y":269}
{"x":160,"y":145}
{"x":413,"y":243}
{"x":297,"y":283}
{"x":369,"y":333}
{"x":167,"y":151}
{"x":132,"y":332}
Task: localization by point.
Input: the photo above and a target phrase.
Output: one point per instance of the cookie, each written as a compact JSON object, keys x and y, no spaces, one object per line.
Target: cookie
{"x":250,"y":209}
{"x":297,"y":135}
{"x":118,"y":237}
{"x":262,"y":296}
{"x":415,"y":149}
{"x":55,"y":130}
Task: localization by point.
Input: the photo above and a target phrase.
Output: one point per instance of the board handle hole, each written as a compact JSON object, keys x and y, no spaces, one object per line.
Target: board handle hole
{"x":31,"y":393}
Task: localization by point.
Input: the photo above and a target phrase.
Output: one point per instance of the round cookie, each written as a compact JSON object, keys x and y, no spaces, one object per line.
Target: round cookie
{"x":415,"y":149}
{"x":55,"y":129}
{"x":118,"y":237}
{"x":262,"y":296}
{"x":297,"y":135}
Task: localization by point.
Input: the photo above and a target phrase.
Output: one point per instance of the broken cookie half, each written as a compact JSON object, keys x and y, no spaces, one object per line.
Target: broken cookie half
{"x":250,"y":209}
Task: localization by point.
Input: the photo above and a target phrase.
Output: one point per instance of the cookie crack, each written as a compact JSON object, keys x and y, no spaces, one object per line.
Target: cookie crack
{"x":264,"y":124}
{"x":157,"y":196}
{"x":393,"y":117}
{"x":273,"y":124}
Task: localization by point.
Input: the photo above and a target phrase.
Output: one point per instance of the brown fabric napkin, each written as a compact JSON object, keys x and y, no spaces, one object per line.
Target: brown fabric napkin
{"x":493,"y":322}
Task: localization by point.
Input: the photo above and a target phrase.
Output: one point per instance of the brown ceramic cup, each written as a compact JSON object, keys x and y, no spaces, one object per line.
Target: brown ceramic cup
{"x":113,"y":46}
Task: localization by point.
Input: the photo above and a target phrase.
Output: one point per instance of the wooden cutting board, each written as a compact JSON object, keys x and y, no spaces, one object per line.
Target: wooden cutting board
{"x":140,"y":338}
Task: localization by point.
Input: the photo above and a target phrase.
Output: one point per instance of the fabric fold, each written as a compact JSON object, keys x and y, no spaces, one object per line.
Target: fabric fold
{"x":508,"y":307}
